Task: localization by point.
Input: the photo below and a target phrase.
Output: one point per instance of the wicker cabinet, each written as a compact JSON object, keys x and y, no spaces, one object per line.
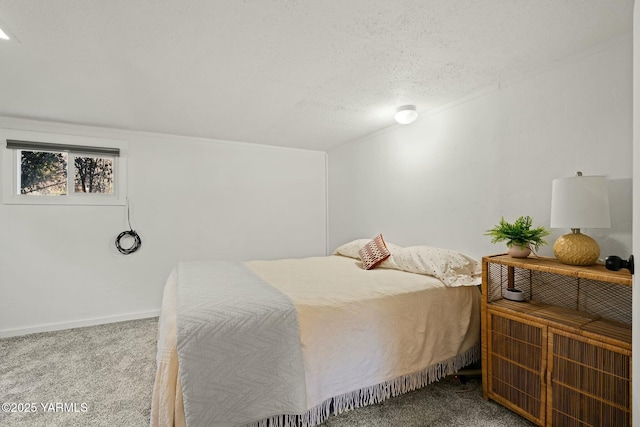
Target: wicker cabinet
{"x":562,"y":356}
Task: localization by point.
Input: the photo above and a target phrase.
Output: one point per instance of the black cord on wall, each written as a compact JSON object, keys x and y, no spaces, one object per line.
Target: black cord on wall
{"x":137,"y":241}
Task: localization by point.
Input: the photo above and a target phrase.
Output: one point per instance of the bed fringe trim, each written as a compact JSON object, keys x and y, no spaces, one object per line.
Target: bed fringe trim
{"x":374,"y":394}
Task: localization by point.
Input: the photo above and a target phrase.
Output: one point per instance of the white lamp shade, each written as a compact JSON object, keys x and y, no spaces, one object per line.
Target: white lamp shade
{"x":406,"y":114}
{"x":580,"y":202}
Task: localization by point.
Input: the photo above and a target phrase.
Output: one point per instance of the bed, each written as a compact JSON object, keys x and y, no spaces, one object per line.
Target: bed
{"x":301,"y":339}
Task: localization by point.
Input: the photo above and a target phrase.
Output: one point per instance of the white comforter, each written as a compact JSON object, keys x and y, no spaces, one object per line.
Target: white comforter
{"x":244,"y":334}
{"x":365,"y":335}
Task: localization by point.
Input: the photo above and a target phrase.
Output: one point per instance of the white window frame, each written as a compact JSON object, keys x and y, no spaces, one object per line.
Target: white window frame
{"x":11,"y":171}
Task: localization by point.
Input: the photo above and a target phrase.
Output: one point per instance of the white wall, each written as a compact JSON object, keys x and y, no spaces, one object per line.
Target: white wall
{"x":190,"y":199}
{"x":448,"y":177}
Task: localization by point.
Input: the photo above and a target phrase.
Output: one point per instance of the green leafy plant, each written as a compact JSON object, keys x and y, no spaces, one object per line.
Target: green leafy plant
{"x":519,"y":233}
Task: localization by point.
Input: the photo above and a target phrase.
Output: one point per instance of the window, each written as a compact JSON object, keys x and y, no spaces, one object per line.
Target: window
{"x":47,"y":173}
{"x":59,"y":169}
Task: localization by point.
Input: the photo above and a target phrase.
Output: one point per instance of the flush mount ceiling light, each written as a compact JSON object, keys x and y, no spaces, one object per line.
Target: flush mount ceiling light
{"x":6,"y":33}
{"x":406,"y":114}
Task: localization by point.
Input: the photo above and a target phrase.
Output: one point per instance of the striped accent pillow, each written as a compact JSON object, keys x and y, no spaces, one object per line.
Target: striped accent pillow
{"x":374,"y":252}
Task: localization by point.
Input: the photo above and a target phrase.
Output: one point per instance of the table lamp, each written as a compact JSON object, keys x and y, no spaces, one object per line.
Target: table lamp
{"x":579,"y":202}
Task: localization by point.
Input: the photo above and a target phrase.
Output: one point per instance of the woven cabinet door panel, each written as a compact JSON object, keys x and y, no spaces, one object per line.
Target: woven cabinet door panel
{"x":517,"y":362}
{"x":590,"y":382}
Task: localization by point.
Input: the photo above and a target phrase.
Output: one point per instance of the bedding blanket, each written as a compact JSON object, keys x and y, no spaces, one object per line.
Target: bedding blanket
{"x":366,"y":335}
{"x":242,"y":332}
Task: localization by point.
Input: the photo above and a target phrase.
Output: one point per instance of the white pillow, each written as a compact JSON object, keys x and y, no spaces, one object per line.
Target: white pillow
{"x":352,"y":248}
{"x":451,"y":267}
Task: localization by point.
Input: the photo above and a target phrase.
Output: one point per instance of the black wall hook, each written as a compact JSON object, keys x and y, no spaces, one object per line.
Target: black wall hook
{"x":615,"y":263}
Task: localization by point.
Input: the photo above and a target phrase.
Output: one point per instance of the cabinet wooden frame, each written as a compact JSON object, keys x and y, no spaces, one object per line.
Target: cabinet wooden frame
{"x":515,"y":325}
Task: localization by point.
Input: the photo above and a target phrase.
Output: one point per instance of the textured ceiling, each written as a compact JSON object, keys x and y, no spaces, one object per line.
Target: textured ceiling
{"x":309,"y":74}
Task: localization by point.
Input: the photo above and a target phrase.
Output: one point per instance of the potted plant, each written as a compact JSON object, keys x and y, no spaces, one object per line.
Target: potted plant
{"x":520,"y":237}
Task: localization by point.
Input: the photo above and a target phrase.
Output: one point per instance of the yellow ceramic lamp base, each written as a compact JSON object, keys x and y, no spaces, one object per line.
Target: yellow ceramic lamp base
{"x":576,"y":249}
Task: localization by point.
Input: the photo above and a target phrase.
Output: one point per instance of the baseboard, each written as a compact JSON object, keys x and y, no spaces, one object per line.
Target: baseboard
{"x":49,"y":327}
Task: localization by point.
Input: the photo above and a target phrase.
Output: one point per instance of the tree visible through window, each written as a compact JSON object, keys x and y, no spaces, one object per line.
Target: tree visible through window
{"x":44,"y":173}
{"x":93,"y":175}
{"x":54,"y":169}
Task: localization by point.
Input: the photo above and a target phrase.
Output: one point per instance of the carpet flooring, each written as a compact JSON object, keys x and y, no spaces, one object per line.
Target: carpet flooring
{"x":103,"y":376}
